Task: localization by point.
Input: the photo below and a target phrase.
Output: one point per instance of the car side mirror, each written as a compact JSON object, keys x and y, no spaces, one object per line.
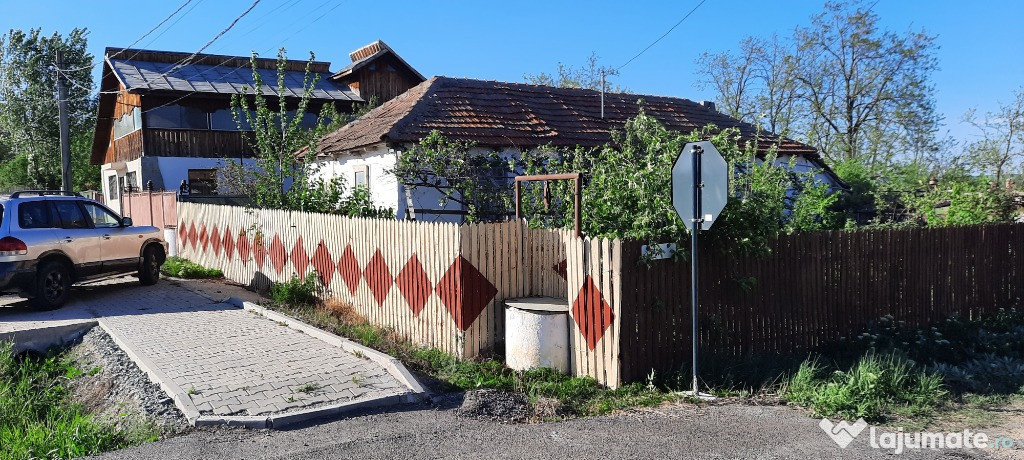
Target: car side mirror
{"x":126,"y":222}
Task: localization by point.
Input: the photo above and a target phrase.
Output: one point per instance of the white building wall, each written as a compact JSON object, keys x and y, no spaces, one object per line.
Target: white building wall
{"x":165,"y":172}
{"x":387,"y":192}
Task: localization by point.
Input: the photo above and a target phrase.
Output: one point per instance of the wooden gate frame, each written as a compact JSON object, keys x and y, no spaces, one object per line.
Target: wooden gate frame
{"x":577,"y":193}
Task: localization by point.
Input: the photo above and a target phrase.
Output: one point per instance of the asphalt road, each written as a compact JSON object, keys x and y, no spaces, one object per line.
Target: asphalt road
{"x":677,"y":431}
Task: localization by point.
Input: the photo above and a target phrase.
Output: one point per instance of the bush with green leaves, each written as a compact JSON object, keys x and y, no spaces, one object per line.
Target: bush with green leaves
{"x":297,"y":291}
{"x":628,"y":183}
{"x":874,"y":388}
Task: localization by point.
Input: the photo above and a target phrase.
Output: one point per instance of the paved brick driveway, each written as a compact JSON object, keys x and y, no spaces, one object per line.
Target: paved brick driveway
{"x":229,"y":362}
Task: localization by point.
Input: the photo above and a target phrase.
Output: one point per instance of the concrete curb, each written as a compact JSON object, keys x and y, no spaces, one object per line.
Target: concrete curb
{"x":42,"y":339}
{"x":181,"y":399}
{"x":392,"y":365}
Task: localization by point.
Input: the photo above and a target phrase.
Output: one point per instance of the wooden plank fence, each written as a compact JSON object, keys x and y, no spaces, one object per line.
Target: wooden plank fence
{"x":814,"y":289}
{"x":158,"y":209}
{"x":437,"y":284}
{"x":444,"y":285}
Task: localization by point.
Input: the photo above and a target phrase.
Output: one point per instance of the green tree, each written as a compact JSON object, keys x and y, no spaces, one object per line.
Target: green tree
{"x":963,"y":202}
{"x":586,"y":76}
{"x":627,"y":188}
{"x":285,"y":173}
{"x":29,"y":126}
{"x":1000,"y":147}
{"x":478,"y":179}
{"x":842,"y":84}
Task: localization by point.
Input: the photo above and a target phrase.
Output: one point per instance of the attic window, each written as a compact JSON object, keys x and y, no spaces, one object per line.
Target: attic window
{"x":373,"y":66}
{"x":391,"y":69}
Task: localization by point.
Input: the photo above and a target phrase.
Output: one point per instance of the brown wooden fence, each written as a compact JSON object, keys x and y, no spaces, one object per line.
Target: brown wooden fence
{"x":445,"y":285}
{"x":158,"y":209}
{"x":814,"y":289}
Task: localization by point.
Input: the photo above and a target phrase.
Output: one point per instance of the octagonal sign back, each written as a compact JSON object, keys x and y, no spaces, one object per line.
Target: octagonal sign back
{"x":715,"y":175}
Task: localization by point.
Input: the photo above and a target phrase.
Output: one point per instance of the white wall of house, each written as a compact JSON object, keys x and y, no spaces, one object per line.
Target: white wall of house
{"x":165,"y":172}
{"x":803,"y":165}
{"x":387,"y":192}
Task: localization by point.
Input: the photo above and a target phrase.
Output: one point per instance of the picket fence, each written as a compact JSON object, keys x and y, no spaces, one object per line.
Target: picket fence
{"x":436,"y":284}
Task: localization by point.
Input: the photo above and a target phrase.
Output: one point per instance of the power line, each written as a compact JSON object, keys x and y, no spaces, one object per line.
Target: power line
{"x":186,"y":13}
{"x":143,"y":37}
{"x":655,"y":42}
{"x":177,"y":65}
{"x":313,"y":21}
{"x":226,"y":29}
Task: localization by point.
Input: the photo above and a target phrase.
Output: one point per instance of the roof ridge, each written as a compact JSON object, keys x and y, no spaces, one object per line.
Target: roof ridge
{"x":560,"y":88}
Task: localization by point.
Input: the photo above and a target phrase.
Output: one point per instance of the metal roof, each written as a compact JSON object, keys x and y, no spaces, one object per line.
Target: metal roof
{"x":138,"y":75}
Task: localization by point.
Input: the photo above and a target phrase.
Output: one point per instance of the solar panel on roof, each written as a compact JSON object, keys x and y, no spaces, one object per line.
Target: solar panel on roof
{"x":219,"y":79}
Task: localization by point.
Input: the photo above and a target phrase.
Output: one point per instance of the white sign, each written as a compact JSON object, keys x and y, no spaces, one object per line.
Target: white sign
{"x":714,"y":175}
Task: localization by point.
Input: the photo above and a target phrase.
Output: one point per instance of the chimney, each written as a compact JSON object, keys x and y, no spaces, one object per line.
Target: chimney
{"x":367,"y":51}
{"x":708,"y":104}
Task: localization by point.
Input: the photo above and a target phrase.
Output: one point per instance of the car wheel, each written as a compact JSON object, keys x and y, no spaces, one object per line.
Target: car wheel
{"x":149,"y":272}
{"x":52,"y":286}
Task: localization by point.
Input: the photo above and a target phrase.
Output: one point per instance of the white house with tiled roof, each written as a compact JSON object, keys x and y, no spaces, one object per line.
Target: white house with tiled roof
{"x":509,"y":118}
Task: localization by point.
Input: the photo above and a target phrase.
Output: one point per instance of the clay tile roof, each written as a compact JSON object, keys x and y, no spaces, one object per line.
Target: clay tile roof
{"x":498,"y":114}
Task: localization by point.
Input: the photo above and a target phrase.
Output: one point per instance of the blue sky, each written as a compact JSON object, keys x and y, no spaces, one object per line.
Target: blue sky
{"x":981,"y":53}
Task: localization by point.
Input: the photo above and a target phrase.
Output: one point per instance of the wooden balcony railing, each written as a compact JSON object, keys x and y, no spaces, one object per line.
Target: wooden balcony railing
{"x":194,"y":143}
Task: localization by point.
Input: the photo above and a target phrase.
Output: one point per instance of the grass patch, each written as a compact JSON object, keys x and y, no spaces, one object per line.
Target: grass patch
{"x":184,"y":268}
{"x":38,"y":418}
{"x":576,"y":395}
{"x":875,"y":388}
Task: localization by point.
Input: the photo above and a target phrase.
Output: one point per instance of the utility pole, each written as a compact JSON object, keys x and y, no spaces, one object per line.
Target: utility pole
{"x":65,"y":135}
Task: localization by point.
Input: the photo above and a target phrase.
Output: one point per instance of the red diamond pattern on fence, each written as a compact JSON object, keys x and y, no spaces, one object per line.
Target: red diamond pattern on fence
{"x":215,"y":240}
{"x":259,"y":251}
{"x":228,"y":243}
{"x":414,"y":284}
{"x":465,"y":292}
{"x":299,"y":258}
{"x":323,"y":263}
{"x":192,"y":238}
{"x":561,"y":269}
{"x":348,"y":268}
{"x":278,"y":256}
{"x":204,"y":238}
{"x":378,"y":277}
{"x":591,"y":313}
{"x":182,"y":234}
{"x":243,"y":247}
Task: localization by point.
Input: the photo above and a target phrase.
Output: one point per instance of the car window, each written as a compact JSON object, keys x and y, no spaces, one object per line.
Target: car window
{"x":71,"y":215}
{"x":101,"y":218}
{"x":37,"y":214}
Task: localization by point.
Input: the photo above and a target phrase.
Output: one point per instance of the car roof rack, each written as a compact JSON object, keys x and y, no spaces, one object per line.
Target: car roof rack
{"x":45,"y":192}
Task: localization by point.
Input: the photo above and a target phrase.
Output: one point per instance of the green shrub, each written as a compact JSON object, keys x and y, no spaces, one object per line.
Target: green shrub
{"x":184,"y":268}
{"x":875,"y":388}
{"x":297,"y":291}
{"x":38,"y":418}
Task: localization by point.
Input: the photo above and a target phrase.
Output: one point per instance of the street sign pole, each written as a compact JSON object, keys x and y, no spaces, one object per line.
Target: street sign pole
{"x":698,"y":221}
{"x":700,"y":191}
